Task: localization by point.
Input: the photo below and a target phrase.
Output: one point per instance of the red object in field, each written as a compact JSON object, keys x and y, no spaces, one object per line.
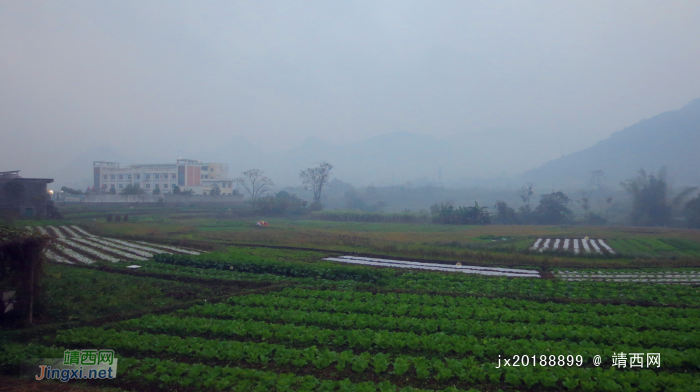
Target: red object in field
{"x":262,"y":223}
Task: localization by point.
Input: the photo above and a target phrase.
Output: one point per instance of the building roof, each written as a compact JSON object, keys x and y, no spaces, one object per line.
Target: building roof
{"x":152,"y":164}
{"x":14,"y":175}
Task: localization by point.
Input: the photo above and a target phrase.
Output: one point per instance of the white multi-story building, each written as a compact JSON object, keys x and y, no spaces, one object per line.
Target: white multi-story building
{"x":185,"y":174}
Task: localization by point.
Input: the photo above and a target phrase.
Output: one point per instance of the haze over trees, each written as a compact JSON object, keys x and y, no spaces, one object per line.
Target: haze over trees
{"x":282,"y":203}
{"x":652,"y":205}
{"x":553,"y":209}
{"x":650,"y":193}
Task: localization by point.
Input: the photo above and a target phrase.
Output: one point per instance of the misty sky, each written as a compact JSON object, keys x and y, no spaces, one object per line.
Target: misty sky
{"x":163,"y":78}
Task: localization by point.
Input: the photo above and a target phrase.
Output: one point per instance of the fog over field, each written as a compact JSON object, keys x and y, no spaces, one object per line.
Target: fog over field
{"x":450,"y":94}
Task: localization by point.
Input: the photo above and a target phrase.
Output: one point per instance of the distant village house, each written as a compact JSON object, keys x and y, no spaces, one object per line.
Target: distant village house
{"x":24,"y":196}
{"x":200,"y":177}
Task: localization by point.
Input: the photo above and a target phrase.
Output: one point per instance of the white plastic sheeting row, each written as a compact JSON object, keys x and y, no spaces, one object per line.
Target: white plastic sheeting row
{"x":493,"y":271}
{"x":685,"y":277}
{"x":73,"y":254}
{"x":173,"y":248}
{"x":116,"y":251}
{"x":89,"y":250}
{"x":77,"y":244}
{"x":55,"y":257}
{"x":587,"y":245}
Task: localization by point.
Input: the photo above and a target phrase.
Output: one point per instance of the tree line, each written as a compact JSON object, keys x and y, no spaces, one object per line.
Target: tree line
{"x":258,"y":185}
{"x":652,"y":205}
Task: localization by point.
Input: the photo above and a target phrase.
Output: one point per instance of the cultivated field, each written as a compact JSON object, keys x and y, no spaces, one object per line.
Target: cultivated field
{"x":282,"y":319}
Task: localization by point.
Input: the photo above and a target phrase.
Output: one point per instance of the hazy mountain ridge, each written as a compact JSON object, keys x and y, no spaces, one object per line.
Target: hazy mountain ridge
{"x":669,"y":139}
{"x":466,"y":160}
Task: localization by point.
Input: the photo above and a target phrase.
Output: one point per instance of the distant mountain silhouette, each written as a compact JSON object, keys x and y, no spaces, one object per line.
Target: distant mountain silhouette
{"x":380,"y":159}
{"x":486,"y":159}
{"x":669,"y":139}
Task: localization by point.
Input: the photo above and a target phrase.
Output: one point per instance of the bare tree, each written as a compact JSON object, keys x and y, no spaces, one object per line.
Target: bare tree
{"x":608,"y":201}
{"x":585,"y":204}
{"x":315,"y":178}
{"x":597,"y":179}
{"x":255,"y":182}
{"x":525,"y":193}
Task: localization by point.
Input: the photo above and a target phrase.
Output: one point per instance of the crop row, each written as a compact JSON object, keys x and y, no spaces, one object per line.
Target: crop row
{"x":436,"y":282}
{"x":655,"y":247}
{"x":125,"y":252}
{"x":665,"y":247}
{"x":450,"y":370}
{"x":88,"y":250}
{"x":328,"y":270}
{"x":682,"y":244}
{"x":136,"y":246}
{"x":167,"y":374}
{"x":464,"y":327}
{"x":435,"y":344}
{"x":73,"y":254}
{"x":55,"y":257}
{"x":483,"y":311}
{"x":545,"y":288}
{"x":90,"y":246}
{"x":510,"y":303}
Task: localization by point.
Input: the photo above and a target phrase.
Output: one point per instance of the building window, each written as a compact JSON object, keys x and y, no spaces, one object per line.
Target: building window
{"x":148,"y":186}
{"x":165,"y":185}
{"x":138,"y":176}
{"x":148,"y":176}
{"x":121,"y":176}
{"x":172,"y":175}
{"x":121,"y":185}
{"x":128,"y":176}
{"x":156,"y":176}
{"x":104,"y":177}
{"x":112,"y":176}
{"x":112,"y":186}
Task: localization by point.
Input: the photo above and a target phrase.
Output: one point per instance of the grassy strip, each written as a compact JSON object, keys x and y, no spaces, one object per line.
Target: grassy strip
{"x":376,"y":217}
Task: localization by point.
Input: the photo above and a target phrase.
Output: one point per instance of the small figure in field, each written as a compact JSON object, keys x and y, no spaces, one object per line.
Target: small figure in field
{"x":262,"y":223}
